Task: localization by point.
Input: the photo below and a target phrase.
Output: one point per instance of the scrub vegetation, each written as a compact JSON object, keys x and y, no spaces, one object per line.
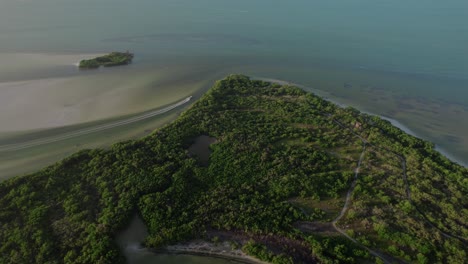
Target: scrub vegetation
{"x":109,"y":60}
{"x":279,"y":171}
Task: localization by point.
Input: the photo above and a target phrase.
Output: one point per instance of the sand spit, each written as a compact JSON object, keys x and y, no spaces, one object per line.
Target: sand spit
{"x":219,"y":250}
{"x":57,"y":102}
{"x":23,"y":66}
{"x":85,"y":131}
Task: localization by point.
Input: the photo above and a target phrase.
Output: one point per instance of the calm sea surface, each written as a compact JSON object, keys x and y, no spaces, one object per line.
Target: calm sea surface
{"x":405,"y":60}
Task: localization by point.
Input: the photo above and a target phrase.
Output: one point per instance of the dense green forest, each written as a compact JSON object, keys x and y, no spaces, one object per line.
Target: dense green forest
{"x":278,"y":174}
{"x":109,"y":60}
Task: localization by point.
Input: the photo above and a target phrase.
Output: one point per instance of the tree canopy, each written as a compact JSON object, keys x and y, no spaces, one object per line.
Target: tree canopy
{"x":281,"y":160}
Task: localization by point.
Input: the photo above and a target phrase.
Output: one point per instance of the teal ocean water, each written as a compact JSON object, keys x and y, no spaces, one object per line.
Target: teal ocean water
{"x":405,"y":60}
{"x":395,"y":58}
{"x":417,"y":37}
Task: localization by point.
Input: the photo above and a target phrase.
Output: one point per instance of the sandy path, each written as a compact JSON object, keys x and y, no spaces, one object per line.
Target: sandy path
{"x":346,"y":206}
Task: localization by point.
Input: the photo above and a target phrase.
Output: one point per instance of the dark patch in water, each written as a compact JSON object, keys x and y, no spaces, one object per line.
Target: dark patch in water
{"x":428,"y":126}
{"x":452,"y":138}
{"x":419,"y":100}
{"x":404,"y":106}
{"x":183,"y":38}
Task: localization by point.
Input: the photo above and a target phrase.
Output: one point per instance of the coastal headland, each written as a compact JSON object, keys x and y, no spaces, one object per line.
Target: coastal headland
{"x":305,"y":180}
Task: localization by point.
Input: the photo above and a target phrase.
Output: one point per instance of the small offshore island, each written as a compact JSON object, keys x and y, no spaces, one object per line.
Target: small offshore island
{"x":110,"y":60}
{"x":289,"y":178}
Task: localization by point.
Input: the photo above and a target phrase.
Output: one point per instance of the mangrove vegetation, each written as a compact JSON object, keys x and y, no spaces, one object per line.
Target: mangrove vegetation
{"x":280,"y":165}
{"x":109,"y":60}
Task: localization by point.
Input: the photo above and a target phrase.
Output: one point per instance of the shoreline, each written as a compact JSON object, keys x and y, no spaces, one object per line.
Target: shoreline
{"x":85,"y":131}
{"x":221,"y":250}
{"x":394,"y":122}
{"x":437,"y":148}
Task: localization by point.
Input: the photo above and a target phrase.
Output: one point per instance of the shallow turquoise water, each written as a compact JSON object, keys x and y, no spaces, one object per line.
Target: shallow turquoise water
{"x":407,"y":60}
{"x":422,"y":36}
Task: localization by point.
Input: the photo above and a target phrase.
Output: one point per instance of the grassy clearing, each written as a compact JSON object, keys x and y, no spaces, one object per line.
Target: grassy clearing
{"x":331,"y":207}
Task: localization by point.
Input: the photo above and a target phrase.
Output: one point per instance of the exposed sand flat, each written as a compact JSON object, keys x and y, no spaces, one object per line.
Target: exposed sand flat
{"x":89,"y":130}
{"x":36,"y":60}
{"x":29,"y":59}
{"x":22,"y":66}
{"x":55,"y":102}
{"x":30,"y":160}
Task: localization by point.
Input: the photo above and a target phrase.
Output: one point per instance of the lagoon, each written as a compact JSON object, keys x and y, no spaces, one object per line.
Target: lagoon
{"x":130,"y":240}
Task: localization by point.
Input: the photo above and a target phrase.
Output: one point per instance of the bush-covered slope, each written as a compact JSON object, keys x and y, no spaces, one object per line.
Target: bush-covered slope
{"x":278,"y":173}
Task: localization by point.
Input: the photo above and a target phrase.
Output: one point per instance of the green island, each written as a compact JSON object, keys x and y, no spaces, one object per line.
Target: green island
{"x":109,"y":60}
{"x":290,"y":178}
